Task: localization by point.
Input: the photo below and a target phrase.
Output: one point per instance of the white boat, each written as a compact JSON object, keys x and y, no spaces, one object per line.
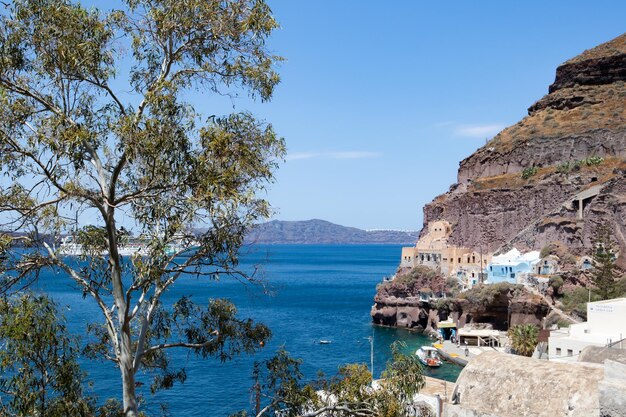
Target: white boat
{"x":325,"y":342}
{"x":69,"y":247}
{"x":428,"y":356}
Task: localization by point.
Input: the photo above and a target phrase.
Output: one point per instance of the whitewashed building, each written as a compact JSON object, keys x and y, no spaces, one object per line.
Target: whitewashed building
{"x":509,"y":266}
{"x":606,"y":324}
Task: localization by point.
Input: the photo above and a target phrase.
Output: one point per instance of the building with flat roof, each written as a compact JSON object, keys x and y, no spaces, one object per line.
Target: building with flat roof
{"x":605,"y":325}
{"x":432,"y":250}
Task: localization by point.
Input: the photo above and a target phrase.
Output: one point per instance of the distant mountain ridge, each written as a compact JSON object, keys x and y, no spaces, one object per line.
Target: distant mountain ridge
{"x":317,"y":231}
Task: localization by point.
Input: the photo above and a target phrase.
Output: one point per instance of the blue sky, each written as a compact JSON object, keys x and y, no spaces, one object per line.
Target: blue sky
{"x":379,"y":101}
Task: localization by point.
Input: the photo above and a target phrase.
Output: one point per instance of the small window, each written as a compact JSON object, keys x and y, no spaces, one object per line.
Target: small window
{"x":570,"y":352}
{"x":558,"y":351}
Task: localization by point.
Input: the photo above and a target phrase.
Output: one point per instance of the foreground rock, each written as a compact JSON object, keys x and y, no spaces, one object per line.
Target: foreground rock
{"x":499,"y":385}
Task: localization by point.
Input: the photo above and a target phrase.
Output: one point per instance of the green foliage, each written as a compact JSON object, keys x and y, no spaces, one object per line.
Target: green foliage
{"x":94,"y":118}
{"x":604,"y":274}
{"x":562,"y":323}
{"x":556,"y":282}
{"x":39,"y":373}
{"x":486,"y":294}
{"x":444,"y":304}
{"x":523,"y":338}
{"x":569,"y":166}
{"x":593,"y":160}
{"x":409,"y":283}
{"x":575,"y":301}
{"x":278,"y":388}
{"x":529,"y":172}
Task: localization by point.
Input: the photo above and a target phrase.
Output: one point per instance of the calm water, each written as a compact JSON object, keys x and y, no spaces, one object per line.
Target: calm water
{"x":320,"y":292}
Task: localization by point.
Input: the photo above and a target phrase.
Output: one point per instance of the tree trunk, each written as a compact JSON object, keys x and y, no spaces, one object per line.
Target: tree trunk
{"x":128,"y":377}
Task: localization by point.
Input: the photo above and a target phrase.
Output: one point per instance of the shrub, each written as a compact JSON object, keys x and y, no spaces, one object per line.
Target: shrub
{"x":555,"y":282}
{"x":562,"y":323}
{"x":575,"y":301}
{"x":564,"y":168}
{"x":486,"y":294}
{"x":529,"y":172}
{"x":593,"y":160}
{"x":546,"y":251}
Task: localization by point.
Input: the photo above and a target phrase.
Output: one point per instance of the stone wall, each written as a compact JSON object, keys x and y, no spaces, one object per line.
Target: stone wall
{"x":494,"y":384}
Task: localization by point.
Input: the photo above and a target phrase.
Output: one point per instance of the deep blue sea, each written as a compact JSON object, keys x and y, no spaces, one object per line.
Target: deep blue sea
{"x":319,"y":292}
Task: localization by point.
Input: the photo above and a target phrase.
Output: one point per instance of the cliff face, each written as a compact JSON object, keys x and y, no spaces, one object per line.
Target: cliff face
{"x":571,"y":149}
{"x":494,"y":305}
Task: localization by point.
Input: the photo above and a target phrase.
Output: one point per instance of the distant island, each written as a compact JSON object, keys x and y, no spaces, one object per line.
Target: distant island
{"x":323,"y":232}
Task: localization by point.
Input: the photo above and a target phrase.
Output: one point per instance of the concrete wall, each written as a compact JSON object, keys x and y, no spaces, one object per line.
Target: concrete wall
{"x":606,"y":317}
{"x":612,"y":390}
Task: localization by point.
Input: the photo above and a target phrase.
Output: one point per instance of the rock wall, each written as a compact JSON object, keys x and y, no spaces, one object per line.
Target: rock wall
{"x":496,"y":384}
{"x":507,"y":305}
{"x":492,"y":207}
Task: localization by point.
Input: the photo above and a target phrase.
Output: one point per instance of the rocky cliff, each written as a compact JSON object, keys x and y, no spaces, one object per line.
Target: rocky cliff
{"x":494,"y":306}
{"x":556,"y":174}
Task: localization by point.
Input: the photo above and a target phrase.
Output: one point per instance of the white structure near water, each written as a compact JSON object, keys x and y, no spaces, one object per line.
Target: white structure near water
{"x":509,"y":266}
{"x":605,"y":325}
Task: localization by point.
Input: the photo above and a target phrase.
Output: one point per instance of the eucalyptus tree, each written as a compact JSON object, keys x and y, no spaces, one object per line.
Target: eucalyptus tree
{"x":279,"y":389}
{"x":95,"y":120}
{"x":39,"y":372}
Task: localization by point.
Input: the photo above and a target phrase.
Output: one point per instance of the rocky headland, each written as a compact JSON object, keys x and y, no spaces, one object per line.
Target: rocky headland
{"x":407,"y":302}
{"x":544,"y":184}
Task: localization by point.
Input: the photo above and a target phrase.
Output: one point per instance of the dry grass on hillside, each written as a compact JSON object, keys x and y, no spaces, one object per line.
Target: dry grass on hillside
{"x":603,"y":172}
{"x":609,"y":113}
{"x":614,"y":47}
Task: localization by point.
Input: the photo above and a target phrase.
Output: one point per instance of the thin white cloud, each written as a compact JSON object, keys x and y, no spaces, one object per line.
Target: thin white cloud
{"x":478,"y":131}
{"x":332,"y":155}
{"x":301,"y":155}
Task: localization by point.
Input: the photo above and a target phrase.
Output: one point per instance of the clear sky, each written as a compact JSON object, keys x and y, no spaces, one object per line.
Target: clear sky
{"x":379,"y":101}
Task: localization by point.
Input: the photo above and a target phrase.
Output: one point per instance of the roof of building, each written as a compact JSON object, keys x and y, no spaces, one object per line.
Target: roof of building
{"x":515,"y":257}
{"x":504,"y":385}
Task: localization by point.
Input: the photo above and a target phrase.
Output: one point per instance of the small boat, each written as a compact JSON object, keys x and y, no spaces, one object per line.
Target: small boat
{"x":428,"y":356}
{"x":325,"y":342}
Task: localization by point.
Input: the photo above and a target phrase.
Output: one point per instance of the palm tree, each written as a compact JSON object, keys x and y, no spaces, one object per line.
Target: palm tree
{"x":523,"y":338}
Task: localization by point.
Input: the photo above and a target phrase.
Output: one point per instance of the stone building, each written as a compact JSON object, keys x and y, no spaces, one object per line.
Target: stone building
{"x":548,"y":265}
{"x":433,"y":250}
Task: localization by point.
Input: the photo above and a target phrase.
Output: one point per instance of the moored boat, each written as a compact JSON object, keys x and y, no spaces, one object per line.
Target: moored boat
{"x":429,"y":356}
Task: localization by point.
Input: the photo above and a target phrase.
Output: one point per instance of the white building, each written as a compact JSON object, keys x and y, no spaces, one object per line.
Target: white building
{"x":605,"y":324}
{"x":509,"y":266}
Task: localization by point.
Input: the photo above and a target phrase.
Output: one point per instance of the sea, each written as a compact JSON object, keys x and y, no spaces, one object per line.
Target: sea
{"x":316,"y":292}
